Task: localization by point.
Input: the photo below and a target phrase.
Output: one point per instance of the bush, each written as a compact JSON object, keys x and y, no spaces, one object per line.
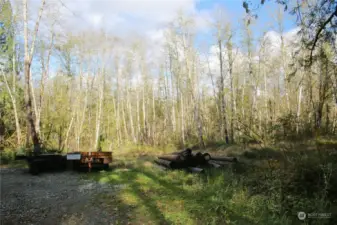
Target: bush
{"x":6,"y":156}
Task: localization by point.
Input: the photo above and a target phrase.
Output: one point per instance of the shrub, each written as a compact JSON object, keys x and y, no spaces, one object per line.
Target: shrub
{"x":6,"y":156}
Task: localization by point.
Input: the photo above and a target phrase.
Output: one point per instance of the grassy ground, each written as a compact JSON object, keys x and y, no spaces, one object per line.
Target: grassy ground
{"x":268,"y":186}
{"x":15,"y":164}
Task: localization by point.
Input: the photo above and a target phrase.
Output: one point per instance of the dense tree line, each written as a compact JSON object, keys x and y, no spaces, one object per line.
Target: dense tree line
{"x":106,"y":92}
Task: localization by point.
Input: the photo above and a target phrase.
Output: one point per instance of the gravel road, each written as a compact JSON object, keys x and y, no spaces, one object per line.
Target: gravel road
{"x":54,"y":198}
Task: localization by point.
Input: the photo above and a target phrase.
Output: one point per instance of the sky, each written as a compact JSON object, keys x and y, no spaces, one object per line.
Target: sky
{"x":130,"y":19}
{"x":150,"y":17}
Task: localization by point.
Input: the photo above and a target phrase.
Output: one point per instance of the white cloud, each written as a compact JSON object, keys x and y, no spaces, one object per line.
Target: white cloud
{"x":272,"y":41}
{"x":125,"y":16}
{"x":95,"y":19}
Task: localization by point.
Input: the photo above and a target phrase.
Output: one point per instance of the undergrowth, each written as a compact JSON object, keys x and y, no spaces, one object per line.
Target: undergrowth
{"x":270,"y":187}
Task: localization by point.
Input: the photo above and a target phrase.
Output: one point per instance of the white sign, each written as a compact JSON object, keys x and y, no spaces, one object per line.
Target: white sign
{"x":76,"y":156}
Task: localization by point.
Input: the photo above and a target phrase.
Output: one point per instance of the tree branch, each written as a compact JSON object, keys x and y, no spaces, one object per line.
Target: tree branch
{"x":319,"y":32}
{"x":36,"y":30}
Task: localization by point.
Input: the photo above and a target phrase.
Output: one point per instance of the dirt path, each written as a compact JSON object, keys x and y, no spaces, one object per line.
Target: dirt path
{"x":54,"y":198}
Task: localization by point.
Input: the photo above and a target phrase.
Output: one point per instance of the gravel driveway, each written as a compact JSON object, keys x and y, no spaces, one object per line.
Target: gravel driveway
{"x":54,"y":198}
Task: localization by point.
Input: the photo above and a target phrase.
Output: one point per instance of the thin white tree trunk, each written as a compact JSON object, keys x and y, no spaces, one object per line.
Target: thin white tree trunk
{"x":138,"y":117}
{"x":182,"y":119}
{"x":15,"y":111}
{"x":68,"y":132}
{"x":37,"y":125}
{"x":27,"y":71}
{"x":118,"y":122}
{"x":153,"y":114}
{"x":82,"y":118}
{"x":130,"y":116}
{"x":299,"y":108}
{"x":144,"y":113}
{"x":173,"y":115}
{"x":45,"y":72}
{"x":124,"y":121}
{"x":99,"y":115}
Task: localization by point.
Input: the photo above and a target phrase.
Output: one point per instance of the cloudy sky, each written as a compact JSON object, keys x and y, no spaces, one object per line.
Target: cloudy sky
{"x":149,"y":17}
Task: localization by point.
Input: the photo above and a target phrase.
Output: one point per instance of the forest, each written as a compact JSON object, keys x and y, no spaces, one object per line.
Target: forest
{"x":268,"y":95}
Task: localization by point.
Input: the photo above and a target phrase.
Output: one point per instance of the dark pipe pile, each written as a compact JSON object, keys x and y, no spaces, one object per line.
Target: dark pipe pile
{"x":192,"y":161}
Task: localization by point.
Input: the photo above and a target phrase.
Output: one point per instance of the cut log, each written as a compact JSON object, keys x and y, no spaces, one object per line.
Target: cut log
{"x":226,"y":159}
{"x":164,"y":163}
{"x":207,"y":156}
{"x":213,"y":164}
{"x":198,"y":159}
{"x":186,"y":152}
{"x":195,"y":170}
{"x":175,"y":158}
{"x":220,"y":162}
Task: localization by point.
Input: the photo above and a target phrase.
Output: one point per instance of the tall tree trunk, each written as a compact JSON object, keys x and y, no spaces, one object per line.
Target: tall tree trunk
{"x":131,"y":117}
{"x":45,"y":71}
{"x":182,"y":119}
{"x":153,"y":114}
{"x":230,"y":71}
{"x":299,"y":108}
{"x":35,"y":113}
{"x":99,"y":114}
{"x":118,"y":122}
{"x":173,"y":116}
{"x":138,"y":116}
{"x":223,"y":130}
{"x":27,"y":65}
{"x":144,"y":114}
{"x":124,"y":121}
{"x":29,"y":110}
{"x":65,"y":144}
{"x":14,"y":74}
{"x":15,"y":111}
{"x":82,"y":118}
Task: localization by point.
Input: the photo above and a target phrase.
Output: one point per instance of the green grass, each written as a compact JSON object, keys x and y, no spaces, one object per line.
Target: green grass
{"x":269,"y":186}
{"x":177,"y":197}
{"x":15,"y":164}
{"x":261,"y":191}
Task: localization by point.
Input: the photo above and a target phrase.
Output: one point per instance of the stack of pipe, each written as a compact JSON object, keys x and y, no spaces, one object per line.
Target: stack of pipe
{"x":221,"y":161}
{"x":185,"y":159}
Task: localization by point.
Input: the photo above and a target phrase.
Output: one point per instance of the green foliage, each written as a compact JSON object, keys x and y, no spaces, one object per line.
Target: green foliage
{"x":6,"y":156}
{"x":6,"y":36}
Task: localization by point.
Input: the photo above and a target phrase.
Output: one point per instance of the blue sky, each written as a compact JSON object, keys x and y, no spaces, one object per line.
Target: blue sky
{"x":265,"y":12}
{"x":129,"y":18}
{"x":266,"y":21}
{"x":149,"y":18}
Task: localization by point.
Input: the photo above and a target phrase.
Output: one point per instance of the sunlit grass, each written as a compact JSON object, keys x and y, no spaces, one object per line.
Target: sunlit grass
{"x":247,"y":193}
{"x":176,"y":197}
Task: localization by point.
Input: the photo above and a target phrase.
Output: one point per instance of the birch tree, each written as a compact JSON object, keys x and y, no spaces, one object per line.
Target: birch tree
{"x":29,"y":53}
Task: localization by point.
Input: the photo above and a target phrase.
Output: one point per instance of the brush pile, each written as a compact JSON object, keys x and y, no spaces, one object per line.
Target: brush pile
{"x":192,"y":161}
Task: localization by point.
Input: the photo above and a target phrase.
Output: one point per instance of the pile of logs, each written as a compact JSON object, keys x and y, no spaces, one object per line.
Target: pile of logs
{"x":192,"y":161}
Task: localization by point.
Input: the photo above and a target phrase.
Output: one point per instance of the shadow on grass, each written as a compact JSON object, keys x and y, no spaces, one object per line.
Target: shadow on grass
{"x":183,"y":194}
{"x":166,"y":201}
{"x":129,"y":176}
{"x":303,"y":176}
{"x":274,"y":187}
